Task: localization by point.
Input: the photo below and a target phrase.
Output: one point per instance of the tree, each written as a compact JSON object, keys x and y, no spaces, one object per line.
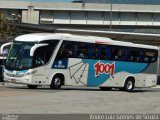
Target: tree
{"x":5,"y":28}
{"x":2,"y":25}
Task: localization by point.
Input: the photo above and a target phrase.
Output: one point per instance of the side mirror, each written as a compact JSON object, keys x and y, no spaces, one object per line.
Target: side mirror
{"x":35,"y":47}
{"x":3,"y":51}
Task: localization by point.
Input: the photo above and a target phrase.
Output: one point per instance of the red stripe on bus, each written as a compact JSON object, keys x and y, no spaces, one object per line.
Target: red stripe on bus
{"x":103,"y":43}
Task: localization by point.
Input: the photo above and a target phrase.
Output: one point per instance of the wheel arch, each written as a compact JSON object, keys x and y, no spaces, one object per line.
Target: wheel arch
{"x":129,"y":77}
{"x":61,"y":75}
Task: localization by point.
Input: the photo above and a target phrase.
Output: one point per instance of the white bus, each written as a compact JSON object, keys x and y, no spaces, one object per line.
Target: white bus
{"x":66,"y":59}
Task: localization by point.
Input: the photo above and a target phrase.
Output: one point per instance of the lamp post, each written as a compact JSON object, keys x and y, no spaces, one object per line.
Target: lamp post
{"x":110,"y":14}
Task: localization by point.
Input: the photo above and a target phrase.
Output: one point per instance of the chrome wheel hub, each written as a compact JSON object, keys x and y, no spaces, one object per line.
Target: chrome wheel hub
{"x":129,"y":85}
{"x":57,"y":82}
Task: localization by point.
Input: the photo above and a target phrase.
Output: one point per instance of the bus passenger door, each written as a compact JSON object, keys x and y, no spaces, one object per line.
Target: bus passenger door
{"x":39,"y":59}
{"x":39,"y":77}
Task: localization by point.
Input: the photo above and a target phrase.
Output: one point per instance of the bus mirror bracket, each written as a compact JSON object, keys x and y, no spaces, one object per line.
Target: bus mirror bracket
{"x":35,"y":47}
{"x":4,"y":45}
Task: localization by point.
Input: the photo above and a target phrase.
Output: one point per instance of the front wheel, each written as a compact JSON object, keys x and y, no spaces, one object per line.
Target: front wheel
{"x":56,"y":83}
{"x":129,"y":85}
{"x":32,"y":86}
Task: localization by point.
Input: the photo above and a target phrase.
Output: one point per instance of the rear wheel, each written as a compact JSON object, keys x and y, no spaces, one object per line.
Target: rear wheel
{"x":105,"y":88}
{"x":56,"y":82}
{"x":129,"y":85}
{"x":32,"y":86}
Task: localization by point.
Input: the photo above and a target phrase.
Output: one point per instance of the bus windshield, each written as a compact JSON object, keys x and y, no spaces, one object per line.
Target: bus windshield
{"x":19,"y":56}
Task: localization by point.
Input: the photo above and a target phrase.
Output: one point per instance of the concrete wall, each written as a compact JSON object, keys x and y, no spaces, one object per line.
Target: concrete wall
{"x":30,"y":15}
{"x":99,"y":18}
{"x":87,"y":14}
{"x":14,"y":4}
{"x":78,"y":17}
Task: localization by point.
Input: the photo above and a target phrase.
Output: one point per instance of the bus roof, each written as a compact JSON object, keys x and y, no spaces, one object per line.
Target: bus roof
{"x":38,"y":37}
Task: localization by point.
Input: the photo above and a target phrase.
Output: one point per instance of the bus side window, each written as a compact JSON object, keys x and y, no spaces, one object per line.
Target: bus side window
{"x":149,"y":56}
{"x":83,"y":50}
{"x":155,"y":55}
{"x":63,"y":52}
{"x":48,"y":53}
{"x":67,"y":50}
{"x":119,"y":53}
{"x":42,"y":55}
{"x":97,"y":52}
{"x":101,"y":52}
{"x":90,"y":51}
{"x":146,"y":57}
{"x":134,"y":55}
{"x":122,"y":55}
{"x":39,"y":57}
{"x":108,"y":53}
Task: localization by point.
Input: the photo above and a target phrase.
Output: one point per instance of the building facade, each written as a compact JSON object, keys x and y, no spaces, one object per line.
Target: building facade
{"x":124,"y":1}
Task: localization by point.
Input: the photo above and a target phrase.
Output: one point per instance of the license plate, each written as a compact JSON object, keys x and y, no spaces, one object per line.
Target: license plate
{"x":13,"y":80}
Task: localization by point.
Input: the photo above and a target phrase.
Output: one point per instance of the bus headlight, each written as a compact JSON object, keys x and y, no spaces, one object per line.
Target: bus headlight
{"x":21,"y":75}
{"x":31,"y":71}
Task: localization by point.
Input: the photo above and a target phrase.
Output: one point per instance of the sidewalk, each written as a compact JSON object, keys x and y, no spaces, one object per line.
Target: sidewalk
{"x":21,"y":85}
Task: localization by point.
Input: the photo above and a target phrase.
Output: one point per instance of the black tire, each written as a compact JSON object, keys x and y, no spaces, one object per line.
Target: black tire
{"x":56,"y":82}
{"x":105,"y":88}
{"x":32,"y":86}
{"x":129,"y":85}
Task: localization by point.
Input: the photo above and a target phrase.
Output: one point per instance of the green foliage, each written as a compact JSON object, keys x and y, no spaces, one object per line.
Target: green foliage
{"x":5,"y":28}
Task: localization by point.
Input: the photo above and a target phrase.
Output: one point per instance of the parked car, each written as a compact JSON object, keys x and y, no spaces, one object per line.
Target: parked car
{"x":2,"y":61}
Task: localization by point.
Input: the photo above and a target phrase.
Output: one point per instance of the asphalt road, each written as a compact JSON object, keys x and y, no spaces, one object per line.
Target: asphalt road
{"x":73,"y":100}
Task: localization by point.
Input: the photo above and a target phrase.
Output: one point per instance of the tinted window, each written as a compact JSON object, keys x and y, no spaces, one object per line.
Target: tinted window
{"x":43,"y":54}
{"x":102,"y":52}
{"x":19,"y":56}
{"x":85,"y":50}
{"x":70,"y":49}
{"x":119,"y":53}
{"x":67,"y":50}
{"x":149,"y":55}
{"x":135,"y":55}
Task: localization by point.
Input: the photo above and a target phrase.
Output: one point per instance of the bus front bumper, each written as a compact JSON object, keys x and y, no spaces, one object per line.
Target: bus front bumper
{"x":18,"y":80}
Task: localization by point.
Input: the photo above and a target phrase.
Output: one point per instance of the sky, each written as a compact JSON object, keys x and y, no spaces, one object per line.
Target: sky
{"x":47,"y":0}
